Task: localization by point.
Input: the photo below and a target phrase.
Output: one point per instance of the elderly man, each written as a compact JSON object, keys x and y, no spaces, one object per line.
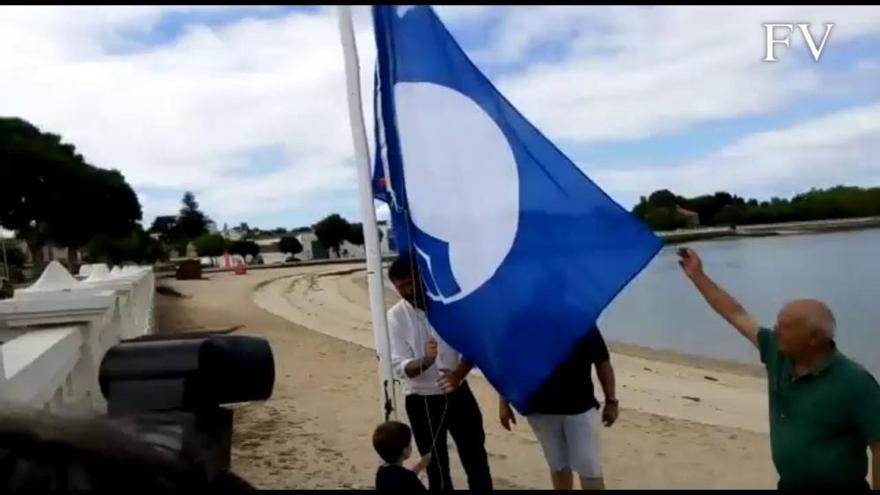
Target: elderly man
{"x":824,"y":408}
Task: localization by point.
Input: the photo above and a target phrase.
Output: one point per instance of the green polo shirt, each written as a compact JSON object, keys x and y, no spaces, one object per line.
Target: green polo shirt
{"x":820,"y":423}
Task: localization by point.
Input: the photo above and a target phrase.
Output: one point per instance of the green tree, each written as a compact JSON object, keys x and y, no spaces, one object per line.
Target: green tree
{"x":331,"y":231}
{"x":48,"y":193}
{"x":137,"y":247}
{"x":290,"y":245}
{"x":165,"y":226}
{"x":663,"y":198}
{"x":244,"y":248}
{"x":210,"y":245}
{"x":665,"y":219}
{"x":96,"y":188}
{"x":191,"y":222}
{"x":356,"y":234}
{"x":730,"y":215}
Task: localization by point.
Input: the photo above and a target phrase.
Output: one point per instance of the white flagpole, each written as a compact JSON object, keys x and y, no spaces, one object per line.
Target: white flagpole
{"x":387,"y":397}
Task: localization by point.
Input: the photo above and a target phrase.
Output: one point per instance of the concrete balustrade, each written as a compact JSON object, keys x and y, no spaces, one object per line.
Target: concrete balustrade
{"x":54,"y":334}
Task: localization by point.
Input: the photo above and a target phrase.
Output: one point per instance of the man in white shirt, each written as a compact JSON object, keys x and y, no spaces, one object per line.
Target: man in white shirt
{"x":438,"y":399}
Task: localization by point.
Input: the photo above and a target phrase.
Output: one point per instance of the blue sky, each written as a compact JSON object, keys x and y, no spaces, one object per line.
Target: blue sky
{"x":245,"y":105}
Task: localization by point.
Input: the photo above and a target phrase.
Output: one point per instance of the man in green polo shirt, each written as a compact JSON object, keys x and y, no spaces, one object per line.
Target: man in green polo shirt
{"x":824,"y":408}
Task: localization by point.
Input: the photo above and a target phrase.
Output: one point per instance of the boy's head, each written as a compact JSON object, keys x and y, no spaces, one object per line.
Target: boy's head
{"x":392,"y":441}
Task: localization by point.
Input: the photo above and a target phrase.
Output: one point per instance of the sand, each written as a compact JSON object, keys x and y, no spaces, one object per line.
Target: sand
{"x":684,"y":423}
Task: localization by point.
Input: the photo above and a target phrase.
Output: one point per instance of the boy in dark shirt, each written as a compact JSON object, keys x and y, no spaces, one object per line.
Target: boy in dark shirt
{"x":392,"y":441}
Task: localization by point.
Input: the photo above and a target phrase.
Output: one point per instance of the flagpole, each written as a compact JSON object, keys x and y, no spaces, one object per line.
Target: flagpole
{"x":387,"y":397}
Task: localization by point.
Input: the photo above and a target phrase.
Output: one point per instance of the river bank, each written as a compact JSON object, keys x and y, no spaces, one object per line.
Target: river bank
{"x":765,"y":230}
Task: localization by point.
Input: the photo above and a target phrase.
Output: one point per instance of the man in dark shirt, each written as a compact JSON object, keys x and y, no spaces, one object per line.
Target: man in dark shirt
{"x":564,"y":414}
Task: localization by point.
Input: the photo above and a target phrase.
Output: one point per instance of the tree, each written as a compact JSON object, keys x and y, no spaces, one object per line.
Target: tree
{"x":665,"y":219}
{"x":730,"y":215}
{"x":48,"y":193}
{"x":90,"y":216}
{"x":279,"y":231}
{"x":138,"y":247}
{"x":356,"y":234}
{"x":165,"y":226}
{"x":210,"y":245}
{"x":663,"y":198}
{"x":15,"y":259}
{"x":331,"y":231}
{"x":723,"y":208}
{"x":191,"y":222}
{"x":244,"y":248}
{"x":290,"y":245}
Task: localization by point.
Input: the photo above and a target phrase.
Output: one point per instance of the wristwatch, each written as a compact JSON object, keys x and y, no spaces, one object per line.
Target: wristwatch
{"x":612,"y":401}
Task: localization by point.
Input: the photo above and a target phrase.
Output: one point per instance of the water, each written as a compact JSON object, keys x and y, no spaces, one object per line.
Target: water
{"x":661,"y":309}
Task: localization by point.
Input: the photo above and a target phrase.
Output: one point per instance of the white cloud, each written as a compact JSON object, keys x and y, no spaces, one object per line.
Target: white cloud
{"x":836,"y":149}
{"x":633,"y":72}
{"x":182,"y":115}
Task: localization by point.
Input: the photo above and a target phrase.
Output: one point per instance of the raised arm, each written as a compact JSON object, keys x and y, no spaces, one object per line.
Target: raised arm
{"x":723,"y":303}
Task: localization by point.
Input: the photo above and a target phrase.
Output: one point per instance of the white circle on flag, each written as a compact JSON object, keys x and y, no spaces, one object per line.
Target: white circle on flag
{"x":461,"y":178}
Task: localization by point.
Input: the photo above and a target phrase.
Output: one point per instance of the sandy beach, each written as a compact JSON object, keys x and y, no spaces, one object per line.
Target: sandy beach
{"x":684,"y":422}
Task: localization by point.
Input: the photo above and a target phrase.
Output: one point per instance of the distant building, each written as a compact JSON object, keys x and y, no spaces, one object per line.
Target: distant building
{"x":270,"y":250}
{"x":693,"y":218}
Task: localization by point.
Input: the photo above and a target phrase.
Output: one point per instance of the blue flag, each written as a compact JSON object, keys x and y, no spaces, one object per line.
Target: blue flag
{"x":519,"y":251}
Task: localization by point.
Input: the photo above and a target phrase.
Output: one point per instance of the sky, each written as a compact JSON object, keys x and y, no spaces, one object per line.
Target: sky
{"x":246,"y":106}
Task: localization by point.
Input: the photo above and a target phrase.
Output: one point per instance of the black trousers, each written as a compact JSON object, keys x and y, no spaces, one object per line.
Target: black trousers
{"x":463,"y":420}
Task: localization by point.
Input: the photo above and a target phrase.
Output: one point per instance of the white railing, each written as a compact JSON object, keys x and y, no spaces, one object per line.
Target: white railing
{"x":54,"y":334}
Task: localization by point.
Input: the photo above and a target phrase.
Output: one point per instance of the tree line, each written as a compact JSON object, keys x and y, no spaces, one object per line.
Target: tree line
{"x":191,"y":226}
{"x":661,"y":210}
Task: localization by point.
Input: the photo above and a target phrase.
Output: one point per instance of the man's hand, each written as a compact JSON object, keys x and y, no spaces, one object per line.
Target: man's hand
{"x":609,"y":413}
{"x":690,"y":262}
{"x":430,"y":352}
{"x":449,"y":381}
{"x":416,"y":367}
{"x":506,"y":415}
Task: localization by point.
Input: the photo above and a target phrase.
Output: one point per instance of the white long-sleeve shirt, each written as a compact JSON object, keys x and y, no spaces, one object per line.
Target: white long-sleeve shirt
{"x":409,"y":331}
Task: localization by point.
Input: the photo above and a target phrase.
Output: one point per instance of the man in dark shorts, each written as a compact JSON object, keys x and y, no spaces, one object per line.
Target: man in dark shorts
{"x":564,"y":414}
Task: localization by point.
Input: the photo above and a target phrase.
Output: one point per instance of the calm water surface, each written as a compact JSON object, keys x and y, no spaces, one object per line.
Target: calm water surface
{"x":661,"y":309}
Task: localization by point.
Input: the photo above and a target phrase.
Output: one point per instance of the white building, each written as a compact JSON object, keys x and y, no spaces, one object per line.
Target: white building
{"x":313,"y":250}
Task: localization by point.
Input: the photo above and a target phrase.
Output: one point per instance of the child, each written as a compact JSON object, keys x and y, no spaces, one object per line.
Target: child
{"x":392,"y":442}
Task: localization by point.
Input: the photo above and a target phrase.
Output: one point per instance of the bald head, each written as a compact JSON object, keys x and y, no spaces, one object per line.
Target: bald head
{"x":804,"y":327}
{"x":812,"y":314}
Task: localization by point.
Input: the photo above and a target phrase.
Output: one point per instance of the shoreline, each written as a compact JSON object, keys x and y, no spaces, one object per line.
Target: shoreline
{"x":695,"y":361}
{"x":668,"y":384}
{"x":690,"y":360}
{"x":768,"y":230}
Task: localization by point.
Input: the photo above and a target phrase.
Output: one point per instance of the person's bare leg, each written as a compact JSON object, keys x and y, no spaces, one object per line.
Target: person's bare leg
{"x":562,"y":480}
{"x":592,"y":483}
